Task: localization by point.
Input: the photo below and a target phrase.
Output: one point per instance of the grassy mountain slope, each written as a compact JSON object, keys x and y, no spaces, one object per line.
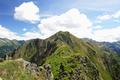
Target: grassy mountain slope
{"x":7,"y":46}
{"x":20,"y":69}
{"x":71,"y":58}
{"x":108,"y":46}
{"x":80,"y":60}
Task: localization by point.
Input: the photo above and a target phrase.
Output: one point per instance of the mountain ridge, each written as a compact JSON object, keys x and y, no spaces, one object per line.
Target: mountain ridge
{"x":63,"y":47}
{"x":71,"y":58}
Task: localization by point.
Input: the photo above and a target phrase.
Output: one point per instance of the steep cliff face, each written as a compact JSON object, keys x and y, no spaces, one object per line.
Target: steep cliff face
{"x":35,"y":50}
{"x":71,"y":58}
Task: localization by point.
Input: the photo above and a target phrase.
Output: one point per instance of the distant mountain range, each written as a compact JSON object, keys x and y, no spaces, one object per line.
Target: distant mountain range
{"x":7,"y":46}
{"x":70,"y":58}
{"x":109,"y":46}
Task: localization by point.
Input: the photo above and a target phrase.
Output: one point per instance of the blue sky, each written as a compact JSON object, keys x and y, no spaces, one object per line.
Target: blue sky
{"x":101,"y":16}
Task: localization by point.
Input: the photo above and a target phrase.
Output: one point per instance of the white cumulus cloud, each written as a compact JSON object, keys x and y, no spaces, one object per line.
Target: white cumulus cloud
{"x":73,"y":21}
{"x":79,"y":25}
{"x":6,"y":33}
{"x":27,"y":11}
{"x":30,"y":35}
{"x":110,"y":34}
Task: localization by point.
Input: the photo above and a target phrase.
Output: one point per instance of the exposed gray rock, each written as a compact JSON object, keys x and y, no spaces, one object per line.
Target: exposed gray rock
{"x":49,"y":75}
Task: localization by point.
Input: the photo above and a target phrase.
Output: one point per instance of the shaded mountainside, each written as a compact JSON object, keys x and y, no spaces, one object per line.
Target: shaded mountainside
{"x":7,"y":46}
{"x":108,"y":46}
{"x":35,"y":50}
{"x":71,"y":58}
{"x":115,"y":46}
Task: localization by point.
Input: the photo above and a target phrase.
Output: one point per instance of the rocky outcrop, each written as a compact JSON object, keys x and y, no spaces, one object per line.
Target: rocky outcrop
{"x":30,"y":67}
{"x":48,"y":72}
{"x":36,"y":70}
